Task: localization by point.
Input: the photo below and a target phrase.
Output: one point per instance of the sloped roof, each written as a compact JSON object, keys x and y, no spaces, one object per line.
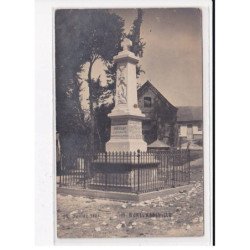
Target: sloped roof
{"x":149,"y":85}
{"x":158,"y":144}
{"x":189,"y":113}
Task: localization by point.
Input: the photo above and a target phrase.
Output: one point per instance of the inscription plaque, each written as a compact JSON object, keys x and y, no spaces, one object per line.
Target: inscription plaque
{"x":119,"y":131}
{"x":126,"y":129}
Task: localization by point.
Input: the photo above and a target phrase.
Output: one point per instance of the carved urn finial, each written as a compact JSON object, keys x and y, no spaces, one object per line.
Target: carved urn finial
{"x":126,"y":44}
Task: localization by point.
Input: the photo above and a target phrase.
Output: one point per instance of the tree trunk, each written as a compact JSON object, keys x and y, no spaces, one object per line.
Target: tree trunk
{"x":91,"y":109}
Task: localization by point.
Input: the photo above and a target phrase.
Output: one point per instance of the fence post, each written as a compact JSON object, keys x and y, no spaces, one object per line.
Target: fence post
{"x":105,"y":171}
{"x":106,"y":156}
{"x":83,"y":169}
{"x":61,"y":171}
{"x":138,"y":161}
{"x":173,"y":171}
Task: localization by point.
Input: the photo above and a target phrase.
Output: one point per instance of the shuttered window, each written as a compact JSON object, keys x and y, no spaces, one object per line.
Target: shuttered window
{"x":147,"y":102}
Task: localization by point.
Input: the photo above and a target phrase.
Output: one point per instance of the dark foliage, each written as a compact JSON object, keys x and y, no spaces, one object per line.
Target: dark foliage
{"x":81,"y":38}
{"x":137,"y":42}
{"x":101,"y":41}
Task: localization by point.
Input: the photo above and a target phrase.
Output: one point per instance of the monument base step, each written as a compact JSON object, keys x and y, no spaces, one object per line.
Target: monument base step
{"x":121,"y":196}
{"x":122,"y":188}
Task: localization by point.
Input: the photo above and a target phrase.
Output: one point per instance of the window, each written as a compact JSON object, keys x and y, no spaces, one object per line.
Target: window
{"x":189,"y":131}
{"x":147,"y":102}
{"x":200,"y":127}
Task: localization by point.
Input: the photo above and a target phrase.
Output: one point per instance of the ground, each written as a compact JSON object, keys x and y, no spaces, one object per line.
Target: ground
{"x":178,"y":214}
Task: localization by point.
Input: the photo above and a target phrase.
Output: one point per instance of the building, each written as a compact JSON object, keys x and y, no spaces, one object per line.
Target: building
{"x":161,"y":115}
{"x":189,"y":120}
{"x":164,"y":123}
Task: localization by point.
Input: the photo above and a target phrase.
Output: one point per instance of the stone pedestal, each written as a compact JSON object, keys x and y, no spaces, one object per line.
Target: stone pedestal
{"x":126,"y":135}
{"x":130,"y":169}
{"x":126,"y":177}
{"x":126,"y":117}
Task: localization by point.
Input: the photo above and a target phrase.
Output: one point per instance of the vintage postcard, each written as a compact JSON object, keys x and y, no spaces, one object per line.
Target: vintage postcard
{"x":132,"y":119}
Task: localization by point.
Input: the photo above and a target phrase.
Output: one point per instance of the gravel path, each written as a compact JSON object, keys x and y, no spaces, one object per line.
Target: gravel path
{"x":178,"y":214}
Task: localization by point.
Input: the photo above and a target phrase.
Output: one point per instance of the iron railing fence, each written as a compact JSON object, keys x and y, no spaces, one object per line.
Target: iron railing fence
{"x":136,"y":172}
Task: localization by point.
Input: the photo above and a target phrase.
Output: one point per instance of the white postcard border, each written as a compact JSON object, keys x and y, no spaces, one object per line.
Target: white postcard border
{"x":45,"y":185}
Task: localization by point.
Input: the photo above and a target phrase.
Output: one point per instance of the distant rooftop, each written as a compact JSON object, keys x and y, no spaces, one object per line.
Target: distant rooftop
{"x":189,"y":113}
{"x":149,"y":85}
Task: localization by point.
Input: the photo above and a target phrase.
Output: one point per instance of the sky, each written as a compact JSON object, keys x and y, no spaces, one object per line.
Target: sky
{"x":172,"y":58}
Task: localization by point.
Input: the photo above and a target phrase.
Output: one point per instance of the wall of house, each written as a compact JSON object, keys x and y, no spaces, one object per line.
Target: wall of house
{"x":196,"y":130}
{"x":160,"y":119}
{"x":148,"y":126}
{"x":183,"y":131}
{"x":147,"y":93}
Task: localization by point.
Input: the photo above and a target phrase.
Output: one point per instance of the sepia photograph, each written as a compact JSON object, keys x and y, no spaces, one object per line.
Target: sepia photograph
{"x":129,"y":123}
{"x":116,"y":129}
